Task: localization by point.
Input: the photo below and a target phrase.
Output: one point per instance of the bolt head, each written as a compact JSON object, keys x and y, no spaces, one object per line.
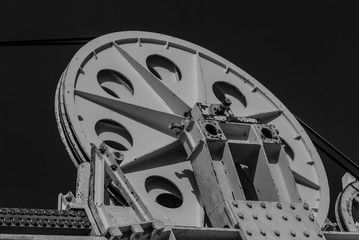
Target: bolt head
{"x":292,"y":233}
{"x":305,"y":206}
{"x":277,"y":233}
{"x":249,"y":204}
{"x":102,"y":150}
{"x":52,"y":222}
{"x":7,"y":221}
{"x":269,"y":217}
{"x":311,"y":218}
{"x":263,"y":204}
{"x":320,"y":234}
{"x":235,"y":204}
{"x":227,"y":102}
{"x":298,"y":218}
{"x":86,"y":223}
{"x":255,"y":216}
{"x":16,"y":221}
{"x":25,"y":222}
{"x":306,"y":234}
{"x":249,"y":233}
{"x":292,"y":206}
{"x":285,"y":218}
{"x":279,"y":205}
{"x":113,"y":167}
{"x":263,"y":233}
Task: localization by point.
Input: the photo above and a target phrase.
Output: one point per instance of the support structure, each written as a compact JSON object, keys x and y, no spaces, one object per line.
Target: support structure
{"x":173,"y":142}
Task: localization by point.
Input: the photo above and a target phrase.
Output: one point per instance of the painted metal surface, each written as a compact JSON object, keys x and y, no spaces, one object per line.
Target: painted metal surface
{"x":44,"y":221}
{"x":347,"y":205}
{"x":123,"y":89}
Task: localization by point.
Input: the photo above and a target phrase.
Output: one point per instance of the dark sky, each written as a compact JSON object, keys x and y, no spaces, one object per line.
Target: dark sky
{"x":306,"y":54}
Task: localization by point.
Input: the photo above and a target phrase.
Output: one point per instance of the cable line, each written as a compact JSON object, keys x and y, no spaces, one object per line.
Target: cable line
{"x":348,"y":164}
{"x":47,"y":42}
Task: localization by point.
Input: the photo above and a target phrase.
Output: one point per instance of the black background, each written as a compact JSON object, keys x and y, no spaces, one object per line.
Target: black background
{"x":307,"y":54}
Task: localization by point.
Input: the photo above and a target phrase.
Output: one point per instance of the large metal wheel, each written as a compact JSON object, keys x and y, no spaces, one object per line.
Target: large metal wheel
{"x":123,"y":89}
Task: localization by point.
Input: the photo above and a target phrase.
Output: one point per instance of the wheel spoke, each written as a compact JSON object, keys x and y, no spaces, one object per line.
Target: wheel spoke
{"x":266,"y":117}
{"x":155,"y":158}
{"x":171,"y":99}
{"x":201,"y":85}
{"x":300,"y":179}
{"x":152,"y":118}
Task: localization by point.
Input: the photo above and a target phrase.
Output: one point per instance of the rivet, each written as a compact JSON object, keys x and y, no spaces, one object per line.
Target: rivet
{"x":249,"y":233}
{"x":81,"y":213}
{"x":25,"y":222}
{"x":285,"y":218}
{"x":55,"y":212}
{"x":249,"y":204}
{"x":292,"y":233}
{"x":235,"y":204}
{"x":33,"y":222}
{"x":86,"y":223}
{"x":320,"y":234}
{"x":298,"y":218}
{"x":11,"y":211}
{"x":279,"y":205}
{"x":20,"y":211}
{"x":292,"y":206}
{"x":277,"y":233}
{"x":46,"y":212}
{"x":38,"y":212}
{"x":64,"y":213}
{"x":52,"y":222}
{"x":269,"y":217}
{"x":29,"y":212}
{"x":60,"y":222}
{"x":306,"y":233}
{"x":255,"y":216}
{"x":68,"y":223}
{"x":263,"y":204}
{"x":311,"y":218}
{"x":77,"y":223}
{"x":240,"y":215}
{"x":42,"y":222}
{"x":263,"y":233}
{"x":72,"y":213}
{"x":7,"y":221}
{"x":16,"y":221}
{"x":306,"y":206}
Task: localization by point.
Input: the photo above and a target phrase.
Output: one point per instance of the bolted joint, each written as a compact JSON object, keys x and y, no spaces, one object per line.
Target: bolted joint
{"x":224,"y":106}
{"x":119,"y":157}
{"x":173,"y":125}
{"x":178,"y":127}
{"x":113,"y":167}
{"x":102,"y":148}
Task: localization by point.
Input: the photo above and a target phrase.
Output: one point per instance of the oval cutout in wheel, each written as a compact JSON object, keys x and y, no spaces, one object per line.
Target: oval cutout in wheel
{"x":163,"y":192}
{"x":114,"y":83}
{"x":223,"y":90}
{"x":114,"y":135}
{"x":163,"y":68}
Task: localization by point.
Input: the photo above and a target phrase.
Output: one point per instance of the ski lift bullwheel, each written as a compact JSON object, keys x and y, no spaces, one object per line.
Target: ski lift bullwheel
{"x":123,"y":89}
